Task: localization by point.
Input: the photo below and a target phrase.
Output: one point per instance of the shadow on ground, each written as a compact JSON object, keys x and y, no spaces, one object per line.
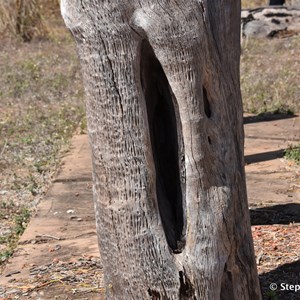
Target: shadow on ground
{"x":264,"y":156}
{"x":286,"y":277}
{"x":278,"y":214}
{"x":266,"y":117}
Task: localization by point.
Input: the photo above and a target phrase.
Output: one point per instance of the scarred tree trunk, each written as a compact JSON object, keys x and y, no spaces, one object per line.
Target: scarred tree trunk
{"x":165,"y":123}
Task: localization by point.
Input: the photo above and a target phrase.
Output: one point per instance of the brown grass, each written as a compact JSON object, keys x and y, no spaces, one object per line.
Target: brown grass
{"x":41,"y":106}
{"x":270,"y":75}
{"x":258,"y":3}
{"x":270,"y":71}
{"x":26,"y":19}
{"x":7,"y":17}
{"x":254,"y":3}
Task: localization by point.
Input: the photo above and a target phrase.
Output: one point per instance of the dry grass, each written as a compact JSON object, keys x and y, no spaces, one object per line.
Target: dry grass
{"x":270,"y":75}
{"x":7,"y":17}
{"x":254,"y":3}
{"x":26,"y":19}
{"x":41,"y":105}
{"x":258,"y":3}
{"x":270,"y":71}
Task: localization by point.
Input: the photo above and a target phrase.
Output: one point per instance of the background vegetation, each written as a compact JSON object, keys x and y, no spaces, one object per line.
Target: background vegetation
{"x":259,"y":3}
{"x":41,"y":106}
{"x":270,"y":75}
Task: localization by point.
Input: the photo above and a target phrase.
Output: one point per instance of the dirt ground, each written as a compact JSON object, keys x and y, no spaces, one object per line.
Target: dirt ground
{"x":58,"y":257}
{"x":274,"y":201}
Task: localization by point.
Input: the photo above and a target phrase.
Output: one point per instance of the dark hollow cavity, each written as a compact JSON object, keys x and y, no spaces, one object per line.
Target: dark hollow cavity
{"x":186,"y":290}
{"x":227,"y":285}
{"x":154,"y":294}
{"x":164,"y":144}
{"x":276,"y":2}
{"x":206,"y":104}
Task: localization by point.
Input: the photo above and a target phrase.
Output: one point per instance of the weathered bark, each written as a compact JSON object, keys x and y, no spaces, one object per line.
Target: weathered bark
{"x":165,"y":124}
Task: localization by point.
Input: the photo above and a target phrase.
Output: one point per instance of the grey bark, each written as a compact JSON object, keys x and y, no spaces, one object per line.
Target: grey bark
{"x":165,"y":124}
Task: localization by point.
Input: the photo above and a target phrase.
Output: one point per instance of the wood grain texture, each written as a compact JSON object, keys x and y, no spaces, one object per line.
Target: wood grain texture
{"x":165,"y":124}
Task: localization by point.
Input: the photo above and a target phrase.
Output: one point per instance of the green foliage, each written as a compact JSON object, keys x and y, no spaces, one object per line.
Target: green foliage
{"x":6,"y":254}
{"x":293,"y":153}
{"x":272,"y":295}
{"x":7,"y":205}
{"x":21,"y":221}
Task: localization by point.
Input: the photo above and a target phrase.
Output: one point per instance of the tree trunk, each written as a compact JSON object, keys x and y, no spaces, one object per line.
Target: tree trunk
{"x":165,"y":124}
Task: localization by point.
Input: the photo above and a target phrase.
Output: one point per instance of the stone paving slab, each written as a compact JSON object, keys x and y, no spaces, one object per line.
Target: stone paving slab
{"x":77,"y":166}
{"x":271,"y":189}
{"x":282,"y":128}
{"x":271,"y":179}
{"x":62,"y":231}
{"x":65,"y":218}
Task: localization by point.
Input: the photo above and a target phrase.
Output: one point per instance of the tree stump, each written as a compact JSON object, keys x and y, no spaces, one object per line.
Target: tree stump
{"x":166,"y":129}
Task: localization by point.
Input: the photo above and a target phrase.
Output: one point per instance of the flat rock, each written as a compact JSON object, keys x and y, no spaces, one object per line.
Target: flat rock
{"x":270,"y":22}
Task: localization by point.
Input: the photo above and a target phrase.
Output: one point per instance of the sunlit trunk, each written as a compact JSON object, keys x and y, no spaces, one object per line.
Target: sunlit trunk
{"x":165,"y":124}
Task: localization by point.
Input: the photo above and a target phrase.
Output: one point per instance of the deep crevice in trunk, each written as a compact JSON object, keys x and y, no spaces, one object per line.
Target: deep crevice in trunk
{"x":186,"y":290}
{"x":154,"y":294}
{"x":164,"y":143}
{"x":227,"y":285}
{"x":206,"y":104}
